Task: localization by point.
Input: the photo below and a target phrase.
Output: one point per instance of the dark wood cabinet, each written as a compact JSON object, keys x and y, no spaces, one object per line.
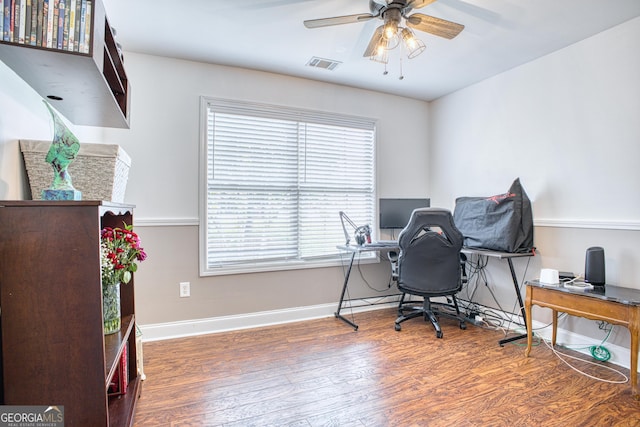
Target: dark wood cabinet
{"x":87,"y":88}
{"x":53,"y":348}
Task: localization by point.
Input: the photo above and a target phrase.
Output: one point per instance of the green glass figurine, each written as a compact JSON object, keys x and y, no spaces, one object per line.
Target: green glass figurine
{"x":64,"y":149}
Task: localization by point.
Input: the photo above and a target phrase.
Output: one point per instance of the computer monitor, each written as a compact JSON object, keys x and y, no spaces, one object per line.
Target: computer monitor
{"x":395,"y":213}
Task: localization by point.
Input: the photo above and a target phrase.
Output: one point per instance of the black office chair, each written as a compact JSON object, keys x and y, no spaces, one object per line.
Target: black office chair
{"x":429,"y":265}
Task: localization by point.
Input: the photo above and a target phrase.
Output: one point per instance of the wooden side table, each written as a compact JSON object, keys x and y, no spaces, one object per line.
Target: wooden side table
{"x":613,"y":304}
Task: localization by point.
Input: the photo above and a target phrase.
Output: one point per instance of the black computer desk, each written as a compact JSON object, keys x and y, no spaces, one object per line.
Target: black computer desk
{"x":356,"y":250}
{"x":393,"y":245}
{"x":509,"y":257}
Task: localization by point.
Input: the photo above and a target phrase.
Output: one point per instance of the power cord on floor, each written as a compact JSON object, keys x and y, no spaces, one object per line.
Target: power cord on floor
{"x":477,"y":276}
{"x":600,"y":352}
{"x":560,"y":356}
{"x":490,"y":320}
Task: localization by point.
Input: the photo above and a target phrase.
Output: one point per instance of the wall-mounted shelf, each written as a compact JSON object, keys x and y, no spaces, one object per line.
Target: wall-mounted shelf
{"x":89,"y":88}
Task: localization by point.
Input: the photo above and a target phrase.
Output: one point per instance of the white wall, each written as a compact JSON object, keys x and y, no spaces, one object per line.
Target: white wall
{"x":163,"y":181}
{"x":163,"y":139}
{"x":567,"y":124}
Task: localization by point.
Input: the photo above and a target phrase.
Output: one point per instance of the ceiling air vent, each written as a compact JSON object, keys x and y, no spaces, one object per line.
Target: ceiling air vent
{"x":327,"y":64}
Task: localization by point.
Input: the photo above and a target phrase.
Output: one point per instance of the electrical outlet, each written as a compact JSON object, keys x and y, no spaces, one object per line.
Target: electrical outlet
{"x":185,"y":289}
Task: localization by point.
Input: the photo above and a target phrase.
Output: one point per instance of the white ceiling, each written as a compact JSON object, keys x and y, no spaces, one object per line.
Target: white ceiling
{"x":269,"y":35}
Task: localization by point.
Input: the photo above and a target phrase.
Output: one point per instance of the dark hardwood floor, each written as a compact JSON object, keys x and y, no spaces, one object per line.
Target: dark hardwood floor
{"x":323,"y":373}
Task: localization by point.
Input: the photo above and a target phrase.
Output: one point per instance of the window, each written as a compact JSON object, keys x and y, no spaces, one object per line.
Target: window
{"x":275,"y":181}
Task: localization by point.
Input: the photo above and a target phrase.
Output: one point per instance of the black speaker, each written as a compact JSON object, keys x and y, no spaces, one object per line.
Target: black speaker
{"x":594,"y":266}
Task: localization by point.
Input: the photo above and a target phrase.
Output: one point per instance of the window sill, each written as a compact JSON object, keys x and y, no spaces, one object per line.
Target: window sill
{"x":342,"y":261}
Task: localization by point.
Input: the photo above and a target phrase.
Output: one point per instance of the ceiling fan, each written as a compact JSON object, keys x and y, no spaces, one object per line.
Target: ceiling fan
{"x":388,"y":35}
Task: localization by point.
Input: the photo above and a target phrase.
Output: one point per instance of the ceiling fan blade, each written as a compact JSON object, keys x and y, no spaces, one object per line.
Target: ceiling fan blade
{"x":338,"y":20}
{"x":419,"y":4}
{"x":371,"y":48}
{"x":435,"y":26}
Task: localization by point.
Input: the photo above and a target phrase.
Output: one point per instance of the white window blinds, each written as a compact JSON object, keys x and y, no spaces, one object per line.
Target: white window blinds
{"x":276,"y":180}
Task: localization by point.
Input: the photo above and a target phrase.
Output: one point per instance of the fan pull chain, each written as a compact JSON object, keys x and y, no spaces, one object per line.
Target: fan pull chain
{"x":401,"y":75}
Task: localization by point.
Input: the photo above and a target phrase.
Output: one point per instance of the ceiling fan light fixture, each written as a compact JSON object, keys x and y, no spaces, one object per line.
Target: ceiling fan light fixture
{"x":414,"y":45}
{"x":381,"y":53}
{"x":390,"y":29}
{"x":391,"y":33}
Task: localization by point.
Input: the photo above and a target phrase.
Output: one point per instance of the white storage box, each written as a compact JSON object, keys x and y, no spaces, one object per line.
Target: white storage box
{"x":100,"y":171}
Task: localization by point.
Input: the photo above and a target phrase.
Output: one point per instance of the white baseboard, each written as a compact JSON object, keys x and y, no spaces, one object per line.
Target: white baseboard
{"x":620,"y":356}
{"x":163,"y":331}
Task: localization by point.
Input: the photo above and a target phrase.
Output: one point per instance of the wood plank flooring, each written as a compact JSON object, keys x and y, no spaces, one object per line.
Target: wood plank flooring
{"x":323,"y":373}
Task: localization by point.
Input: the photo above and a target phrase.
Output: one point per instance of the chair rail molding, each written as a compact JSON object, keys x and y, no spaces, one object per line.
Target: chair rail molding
{"x":540,"y":222}
{"x":167,"y":222}
{"x":588,"y":223}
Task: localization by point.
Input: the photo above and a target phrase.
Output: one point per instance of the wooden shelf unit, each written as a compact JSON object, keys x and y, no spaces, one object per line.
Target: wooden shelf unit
{"x":53,"y":348}
{"x":87,"y":88}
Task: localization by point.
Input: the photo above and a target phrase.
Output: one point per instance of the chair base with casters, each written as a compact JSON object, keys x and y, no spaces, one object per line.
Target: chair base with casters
{"x":430,"y":311}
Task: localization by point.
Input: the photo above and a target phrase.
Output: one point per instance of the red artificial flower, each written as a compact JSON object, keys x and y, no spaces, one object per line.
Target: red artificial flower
{"x":120,"y":249}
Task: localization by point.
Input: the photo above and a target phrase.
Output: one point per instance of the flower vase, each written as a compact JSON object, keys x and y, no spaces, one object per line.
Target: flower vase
{"x":111,"y":307}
